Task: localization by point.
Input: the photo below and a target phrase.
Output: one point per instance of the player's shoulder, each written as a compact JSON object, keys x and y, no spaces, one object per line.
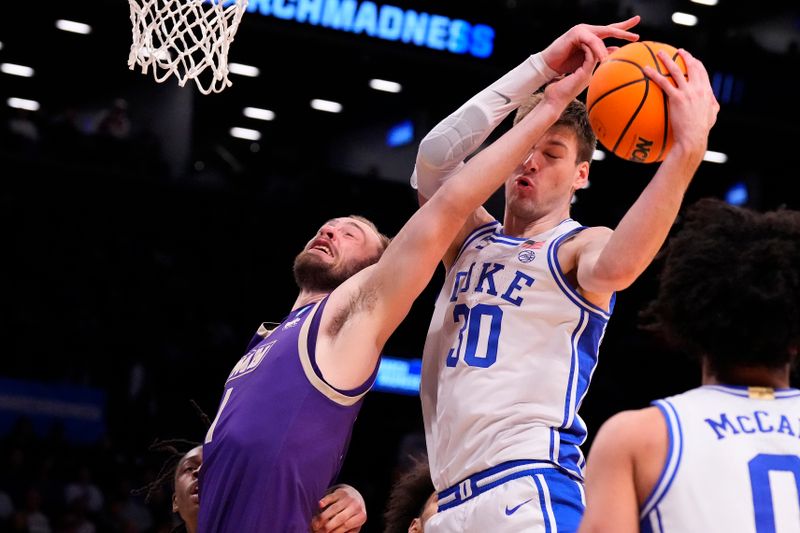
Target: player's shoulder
{"x":583,"y":236}
{"x":632,"y":419}
{"x":584,"y":239}
{"x":593,"y":234}
{"x":633,"y":429}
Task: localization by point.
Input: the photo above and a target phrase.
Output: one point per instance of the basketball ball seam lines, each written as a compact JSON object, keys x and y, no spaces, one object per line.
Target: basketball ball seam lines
{"x":664,"y":99}
{"x":657,"y":63}
{"x":593,"y":109}
{"x":628,"y":61}
{"x":627,"y":84}
{"x":634,"y":115}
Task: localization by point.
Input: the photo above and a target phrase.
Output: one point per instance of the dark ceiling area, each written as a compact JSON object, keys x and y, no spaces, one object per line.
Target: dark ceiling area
{"x":750,"y":51}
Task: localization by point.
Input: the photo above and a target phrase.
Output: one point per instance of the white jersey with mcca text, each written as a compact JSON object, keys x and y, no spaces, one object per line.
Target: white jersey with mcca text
{"x":733,"y":463}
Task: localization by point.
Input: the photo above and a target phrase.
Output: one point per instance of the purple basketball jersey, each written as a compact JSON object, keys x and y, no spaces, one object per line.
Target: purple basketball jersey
{"x":280,"y":435}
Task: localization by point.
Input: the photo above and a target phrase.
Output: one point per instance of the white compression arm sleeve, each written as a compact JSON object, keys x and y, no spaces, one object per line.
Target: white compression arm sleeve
{"x":443,"y":150}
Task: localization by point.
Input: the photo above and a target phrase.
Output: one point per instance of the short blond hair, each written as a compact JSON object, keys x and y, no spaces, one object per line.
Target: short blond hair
{"x":574,"y":117}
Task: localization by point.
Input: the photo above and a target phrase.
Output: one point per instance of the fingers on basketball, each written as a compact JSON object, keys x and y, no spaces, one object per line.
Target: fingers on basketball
{"x":628,"y":110}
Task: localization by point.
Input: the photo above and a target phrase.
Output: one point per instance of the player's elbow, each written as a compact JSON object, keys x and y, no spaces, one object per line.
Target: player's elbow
{"x":433,"y":152}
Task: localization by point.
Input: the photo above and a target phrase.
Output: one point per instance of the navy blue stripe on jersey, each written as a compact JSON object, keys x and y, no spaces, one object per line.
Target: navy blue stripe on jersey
{"x":674,"y":454}
{"x":570,"y":455}
{"x":498,"y":234}
{"x":786,"y":393}
{"x":488,"y":479}
{"x":743,"y":391}
{"x":644,"y":526}
{"x":659,"y":521}
{"x":573,"y":369}
{"x":652,"y":523}
{"x":586,"y":339}
{"x":505,"y":241}
{"x":544,"y":504}
{"x":589,"y":350}
{"x":312,"y":343}
{"x":476,"y":233}
{"x":562,"y":501}
{"x":564,"y":221}
{"x":563,"y":283}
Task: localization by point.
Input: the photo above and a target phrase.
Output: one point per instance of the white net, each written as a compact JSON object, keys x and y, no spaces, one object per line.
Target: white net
{"x":185,"y":38}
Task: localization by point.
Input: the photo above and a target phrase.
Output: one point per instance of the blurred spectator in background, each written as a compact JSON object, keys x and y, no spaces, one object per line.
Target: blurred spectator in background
{"x":31,"y":518}
{"x":412,"y":500}
{"x":115,"y":122}
{"x":85,"y":490}
{"x":22,"y":133}
{"x":22,"y":125}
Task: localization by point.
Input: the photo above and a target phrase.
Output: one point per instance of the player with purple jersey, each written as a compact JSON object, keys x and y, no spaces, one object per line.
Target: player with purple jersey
{"x":286,"y":415}
{"x":344,"y":505}
{"x":301,"y":407}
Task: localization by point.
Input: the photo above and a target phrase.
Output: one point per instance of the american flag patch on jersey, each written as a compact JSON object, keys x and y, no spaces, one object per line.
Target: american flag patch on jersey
{"x":533,"y":245}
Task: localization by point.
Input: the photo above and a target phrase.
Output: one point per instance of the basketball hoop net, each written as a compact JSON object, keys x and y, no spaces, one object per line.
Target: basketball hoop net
{"x":186,"y":38}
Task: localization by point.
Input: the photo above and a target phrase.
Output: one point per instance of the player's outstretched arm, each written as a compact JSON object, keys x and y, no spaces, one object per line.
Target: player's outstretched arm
{"x":614,"y":261}
{"x":365,"y":310}
{"x":623,"y":466}
{"x":443,"y":150}
{"x":342,"y":510}
{"x":411,"y":259}
{"x":610,"y":491}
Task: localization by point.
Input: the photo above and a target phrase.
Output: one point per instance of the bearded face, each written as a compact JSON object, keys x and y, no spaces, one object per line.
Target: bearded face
{"x":313,"y":273}
{"x":341,"y":248}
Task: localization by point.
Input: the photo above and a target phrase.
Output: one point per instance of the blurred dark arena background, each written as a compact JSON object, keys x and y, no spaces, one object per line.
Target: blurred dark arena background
{"x":143,"y":243}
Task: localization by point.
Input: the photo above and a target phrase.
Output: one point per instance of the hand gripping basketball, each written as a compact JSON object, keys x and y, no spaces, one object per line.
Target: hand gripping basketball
{"x":629,"y":113}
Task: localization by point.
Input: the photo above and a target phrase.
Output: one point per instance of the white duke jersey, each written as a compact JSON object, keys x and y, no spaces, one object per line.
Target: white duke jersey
{"x":733,"y":463}
{"x":508,"y":358}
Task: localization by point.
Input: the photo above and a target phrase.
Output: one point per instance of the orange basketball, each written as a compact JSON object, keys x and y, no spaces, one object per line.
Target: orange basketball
{"x":628,"y":111}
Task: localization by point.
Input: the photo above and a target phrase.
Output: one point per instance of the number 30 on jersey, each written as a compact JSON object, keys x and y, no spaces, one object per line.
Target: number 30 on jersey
{"x":481,"y":326}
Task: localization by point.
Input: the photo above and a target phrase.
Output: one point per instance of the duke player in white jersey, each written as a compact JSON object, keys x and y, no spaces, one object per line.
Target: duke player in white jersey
{"x":514,"y":337}
{"x":285,"y":419}
{"x":725,"y":456}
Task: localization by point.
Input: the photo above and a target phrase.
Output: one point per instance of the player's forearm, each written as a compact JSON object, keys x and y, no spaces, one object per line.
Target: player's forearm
{"x":485,"y":173}
{"x":644,"y":228}
{"x":443,"y":150}
{"x":411,"y":259}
